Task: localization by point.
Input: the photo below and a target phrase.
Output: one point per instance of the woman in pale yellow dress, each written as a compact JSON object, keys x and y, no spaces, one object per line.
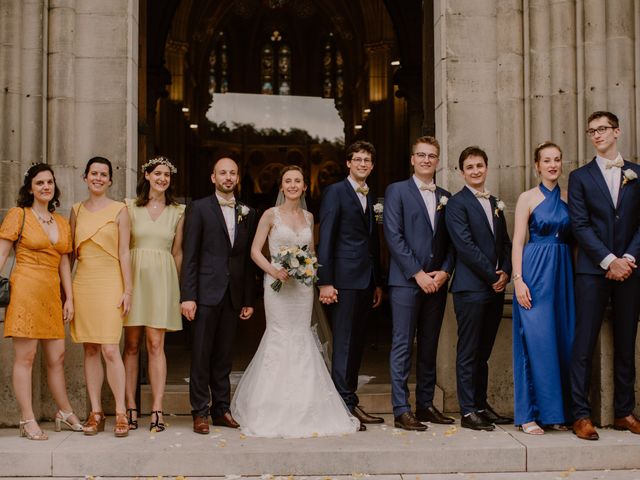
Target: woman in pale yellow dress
{"x":156,"y":256}
{"x":36,"y":312}
{"x":102,"y":290}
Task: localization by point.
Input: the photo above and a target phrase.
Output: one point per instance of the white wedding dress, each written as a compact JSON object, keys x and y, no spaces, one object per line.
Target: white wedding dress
{"x":286,"y":390}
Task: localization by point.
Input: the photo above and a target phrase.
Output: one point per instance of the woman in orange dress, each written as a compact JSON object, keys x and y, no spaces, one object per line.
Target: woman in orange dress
{"x":102,"y":291}
{"x":36,"y":311}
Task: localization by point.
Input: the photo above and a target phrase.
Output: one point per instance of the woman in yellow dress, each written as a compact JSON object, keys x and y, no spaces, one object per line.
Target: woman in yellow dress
{"x":102,"y":290}
{"x":156,"y":256}
{"x":36,"y":311}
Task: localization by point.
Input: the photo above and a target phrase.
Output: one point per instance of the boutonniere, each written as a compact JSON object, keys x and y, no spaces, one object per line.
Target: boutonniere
{"x":442,"y":203}
{"x":500,"y":206}
{"x":378,"y":210}
{"x":242,"y":210}
{"x":628,"y":176}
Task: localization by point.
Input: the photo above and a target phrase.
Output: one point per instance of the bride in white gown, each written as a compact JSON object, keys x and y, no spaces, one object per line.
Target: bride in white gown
{"x":286,"y":390}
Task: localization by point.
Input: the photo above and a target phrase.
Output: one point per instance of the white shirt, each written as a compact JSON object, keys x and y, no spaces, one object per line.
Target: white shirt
{"x":361,"y":196}
{"x":429,"y":199}
{"x":486,"y":206}
{"x":229,"y":218}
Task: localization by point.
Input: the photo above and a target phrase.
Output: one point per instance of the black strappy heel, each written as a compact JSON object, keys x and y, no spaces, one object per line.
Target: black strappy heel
{"x":156,"y":425}
{"x":133,"y":424}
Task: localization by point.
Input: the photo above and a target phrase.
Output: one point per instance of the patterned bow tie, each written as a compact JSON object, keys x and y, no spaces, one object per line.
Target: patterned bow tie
{"x":363,"y":190}
{"x":486,"y":194}
{"x":431,"y":187}
{"x":618,"y":162}
{"x":227,"y":203}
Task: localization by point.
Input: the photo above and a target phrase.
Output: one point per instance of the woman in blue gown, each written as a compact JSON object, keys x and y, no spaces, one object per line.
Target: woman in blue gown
{"x":543,"y":304}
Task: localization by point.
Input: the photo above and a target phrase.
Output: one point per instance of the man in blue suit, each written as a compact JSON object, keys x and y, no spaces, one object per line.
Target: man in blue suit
{"x":419,"y":268}
{"x":604,"y":205}
{"x":349,"y":273}
{"x":478,"y":230}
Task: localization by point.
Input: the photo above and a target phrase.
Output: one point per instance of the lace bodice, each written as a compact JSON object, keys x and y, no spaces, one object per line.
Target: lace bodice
{"x":282,"y":234}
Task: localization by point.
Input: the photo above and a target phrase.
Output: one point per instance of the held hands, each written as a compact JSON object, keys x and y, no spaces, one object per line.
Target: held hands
{"x":245,"y":313}
{"x":523,"y":295}
{"x":188,"y":309}
{"x":125,"y":303}
{"x":500,"y":285}
{"x":329,"y":295}
{"x":67,"y":311}
{"x":280,"y":274}
{"x":431,"y":282}
{"x":620,"y":269}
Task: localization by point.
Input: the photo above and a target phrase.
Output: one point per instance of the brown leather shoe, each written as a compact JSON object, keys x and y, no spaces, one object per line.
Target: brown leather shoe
{"x":225,"y":420}
{"x":583,"y":428}
{"x":364,"y":417}
{"x":408,"y":421}
{"x":630,"y":422}
{"x":94,"y":424}
{"x":433,"y":415}
{"x":363,"y":428}
{"x":201,"y":425}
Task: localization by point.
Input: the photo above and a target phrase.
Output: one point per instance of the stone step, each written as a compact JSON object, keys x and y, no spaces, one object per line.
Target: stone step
{"x":374,"y":398}
{"x":381,"y":450}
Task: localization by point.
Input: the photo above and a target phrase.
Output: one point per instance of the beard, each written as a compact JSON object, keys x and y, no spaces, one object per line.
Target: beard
{"x":226,"y":190}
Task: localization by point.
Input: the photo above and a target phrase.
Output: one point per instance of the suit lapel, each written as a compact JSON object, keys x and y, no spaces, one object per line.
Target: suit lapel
{"x":415,"y":192}
{"x":475,"y":204}
{"x":494,"y":205}
{"x":217,"y":212}
{"x":598,"y":178}
{"x":623,"y":188}
{"x":354,"y":197}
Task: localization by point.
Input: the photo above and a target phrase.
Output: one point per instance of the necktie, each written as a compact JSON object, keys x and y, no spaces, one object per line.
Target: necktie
{"x":431,"y":187}
{"x":618,"y":162}
{"x":486,"y":194}
{"x":363,"y":190}
{"x":227,"y":203}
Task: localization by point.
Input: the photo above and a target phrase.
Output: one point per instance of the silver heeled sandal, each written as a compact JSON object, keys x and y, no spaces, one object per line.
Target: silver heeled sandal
{"x":39,"y":435}
{"x":63,"y":418}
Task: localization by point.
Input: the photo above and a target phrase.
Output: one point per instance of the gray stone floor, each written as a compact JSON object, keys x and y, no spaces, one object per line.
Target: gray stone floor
{"x":381,"y":453}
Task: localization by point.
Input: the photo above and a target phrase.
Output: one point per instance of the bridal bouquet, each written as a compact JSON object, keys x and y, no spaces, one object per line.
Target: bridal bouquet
{"x":299,"y":262}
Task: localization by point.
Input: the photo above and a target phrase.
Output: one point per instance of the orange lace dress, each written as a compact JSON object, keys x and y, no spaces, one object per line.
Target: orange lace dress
{"x":35,"y":310}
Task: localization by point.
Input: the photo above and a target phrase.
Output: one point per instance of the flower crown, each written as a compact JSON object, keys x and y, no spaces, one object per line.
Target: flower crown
{"x":159,"y":161}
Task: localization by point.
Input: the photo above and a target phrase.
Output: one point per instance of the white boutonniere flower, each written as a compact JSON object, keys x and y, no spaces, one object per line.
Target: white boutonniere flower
{"x":500,"y":206}
{"x":628,"y":175}
{"x":378,"y":211}
{"x":243,"y":211}
{"x":442,"y":203}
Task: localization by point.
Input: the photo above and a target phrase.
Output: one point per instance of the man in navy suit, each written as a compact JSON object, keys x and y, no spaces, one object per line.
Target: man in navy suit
{"x":478,"y":230}
{"x":419,"y":268}
{"x":349,"y":273}
{"x":217,"y":288}
{"x":604,"y":205}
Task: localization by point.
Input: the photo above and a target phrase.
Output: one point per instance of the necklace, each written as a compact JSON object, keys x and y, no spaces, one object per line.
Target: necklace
{"x":48,"y":221}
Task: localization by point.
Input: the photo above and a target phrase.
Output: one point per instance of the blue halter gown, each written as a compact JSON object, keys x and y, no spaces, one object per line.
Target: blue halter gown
{"x":543,"y":335}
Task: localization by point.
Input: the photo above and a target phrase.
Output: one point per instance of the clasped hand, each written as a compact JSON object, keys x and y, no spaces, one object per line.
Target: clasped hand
{"x":430,"y":282}
{"x":620,"y":269}
{"x":501,"y":283}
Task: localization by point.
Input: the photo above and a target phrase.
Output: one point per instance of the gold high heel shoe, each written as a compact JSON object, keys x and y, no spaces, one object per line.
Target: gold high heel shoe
{"x":94,"y":423}
{"x":121,"y":429}
{"x":39,"y":435}
{"x":63,"y":418}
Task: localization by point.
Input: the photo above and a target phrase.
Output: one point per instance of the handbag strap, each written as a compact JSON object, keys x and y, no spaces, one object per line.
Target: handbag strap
{"x":15,"y":245}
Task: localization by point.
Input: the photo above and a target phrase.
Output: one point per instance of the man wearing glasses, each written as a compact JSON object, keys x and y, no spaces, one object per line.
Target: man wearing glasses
{"x":349,"y":273}
{"x":420,"y":265}
{"x":604,"y":201}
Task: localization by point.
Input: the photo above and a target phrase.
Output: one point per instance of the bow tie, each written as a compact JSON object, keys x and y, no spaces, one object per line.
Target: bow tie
{"x":618,"y":162}
{"x":430,"y":187}
{"x":363,"y":190}
{"x":227,"y":203}
{"x":486,"y":194}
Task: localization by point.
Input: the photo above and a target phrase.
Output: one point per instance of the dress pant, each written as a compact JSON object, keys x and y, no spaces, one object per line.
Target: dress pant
{"x":212,"y":338}
{"x":478,"y":316}
{"x":414,"y":311}
{"x":593,"y":293}
{"x":349,"y":327}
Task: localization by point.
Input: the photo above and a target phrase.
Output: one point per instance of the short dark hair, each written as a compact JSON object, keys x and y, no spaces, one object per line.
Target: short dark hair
{"x":472,"y":151}
{"x":429,"y":140}
{"x":361,"y":146}
{"x":144,"y":187}
{"x":613,"y":119}
{"x":542,"y":146}
{"x":25,"y":195}
{"x":101,"y":160}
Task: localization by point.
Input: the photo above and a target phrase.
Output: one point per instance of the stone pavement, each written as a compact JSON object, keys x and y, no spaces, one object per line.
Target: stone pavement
{"x":382,"y":453}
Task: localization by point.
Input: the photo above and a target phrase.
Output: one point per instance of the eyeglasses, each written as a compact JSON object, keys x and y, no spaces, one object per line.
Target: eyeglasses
{"x":592,"y":131}
{"x":365,"y":160}
{"x":422,"y":156}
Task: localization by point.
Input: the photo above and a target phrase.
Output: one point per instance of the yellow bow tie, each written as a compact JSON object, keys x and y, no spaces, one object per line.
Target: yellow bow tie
{"x":431,"y":187}
{"x":227,"y":203}
{"x":363,"y":190}
{"x":618,"y":162}
{"x":486,"y":194}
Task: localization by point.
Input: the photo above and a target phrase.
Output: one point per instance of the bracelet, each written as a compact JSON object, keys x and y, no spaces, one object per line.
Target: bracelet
{"x":516,"y":277}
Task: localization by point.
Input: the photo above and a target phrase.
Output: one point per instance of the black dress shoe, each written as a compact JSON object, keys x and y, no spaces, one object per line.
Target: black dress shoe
{"x":493,"y":417}
{"x":433,"y":415}
{"x":475,"y":421}
{"x":364,"y":417}
{"x":407,"y":421}
{"x":363,"y":428}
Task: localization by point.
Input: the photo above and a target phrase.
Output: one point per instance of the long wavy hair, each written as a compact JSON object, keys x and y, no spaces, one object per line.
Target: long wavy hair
{"x":25,"y":194}
{"x":144,"y":187}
